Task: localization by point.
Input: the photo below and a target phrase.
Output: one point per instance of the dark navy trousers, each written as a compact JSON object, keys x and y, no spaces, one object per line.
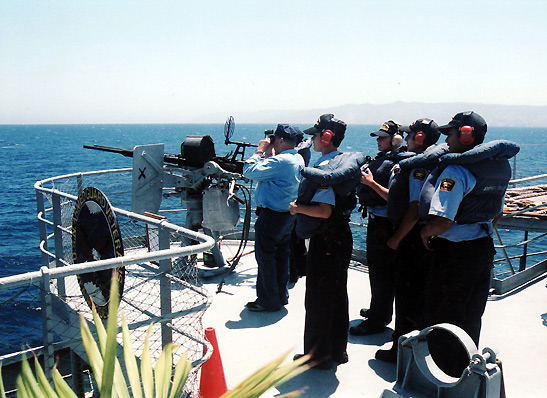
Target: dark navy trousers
{"x":381,"y":269}
{"x":326,"y":302}
{"x":272,"y":240}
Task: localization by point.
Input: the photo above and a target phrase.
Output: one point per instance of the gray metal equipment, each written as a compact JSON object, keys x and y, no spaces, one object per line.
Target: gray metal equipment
{"x":418,"y":376}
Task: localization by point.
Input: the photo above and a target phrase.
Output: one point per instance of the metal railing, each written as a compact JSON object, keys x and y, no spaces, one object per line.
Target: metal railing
{"x":161,"y":283}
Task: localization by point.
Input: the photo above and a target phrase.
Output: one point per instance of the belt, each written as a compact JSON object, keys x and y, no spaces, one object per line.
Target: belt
{"x":259,"y":209}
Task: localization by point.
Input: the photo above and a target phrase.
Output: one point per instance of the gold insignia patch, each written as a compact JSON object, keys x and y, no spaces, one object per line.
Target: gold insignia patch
{"x":447,"y":184}
{"x":384,"y":127}
{"x":419,"y":174}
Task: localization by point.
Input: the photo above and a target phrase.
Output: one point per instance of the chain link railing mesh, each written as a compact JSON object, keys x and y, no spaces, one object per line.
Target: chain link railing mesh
{"x":141,"y":299}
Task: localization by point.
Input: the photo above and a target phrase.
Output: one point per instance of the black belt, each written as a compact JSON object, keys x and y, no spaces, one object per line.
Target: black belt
{"x":259,"y":209}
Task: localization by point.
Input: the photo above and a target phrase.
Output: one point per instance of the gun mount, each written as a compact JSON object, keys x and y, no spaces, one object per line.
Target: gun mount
{"x":207,"y":185}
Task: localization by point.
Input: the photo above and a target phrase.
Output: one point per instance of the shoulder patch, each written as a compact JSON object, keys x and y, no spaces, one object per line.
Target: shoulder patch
{"x":447,"y":184}
{"x":419,"y":174}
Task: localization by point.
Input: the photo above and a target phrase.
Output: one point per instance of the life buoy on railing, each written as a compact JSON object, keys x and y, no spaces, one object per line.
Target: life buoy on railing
{"x":96,"y":236}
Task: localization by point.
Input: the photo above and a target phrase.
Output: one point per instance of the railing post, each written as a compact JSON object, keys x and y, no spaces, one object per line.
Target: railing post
{"x":522,"y":264}
{"x":47,"y":335}
{"x":42,"y":228}
{"x":58,"y":236}
{"x":165,"y":285}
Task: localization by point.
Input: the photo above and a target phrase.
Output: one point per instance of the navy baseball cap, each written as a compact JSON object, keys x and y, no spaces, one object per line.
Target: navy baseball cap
{"x":469,"y":118}
{"x":289,"y":133}
{"x":320,"y":125}
{"x":388,"y":129}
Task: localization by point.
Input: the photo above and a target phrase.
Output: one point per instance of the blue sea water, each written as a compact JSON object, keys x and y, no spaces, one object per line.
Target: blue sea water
{"x":30,"y":153}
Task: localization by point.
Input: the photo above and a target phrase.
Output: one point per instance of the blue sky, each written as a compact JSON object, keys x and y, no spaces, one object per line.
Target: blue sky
{"x":173,"y":61}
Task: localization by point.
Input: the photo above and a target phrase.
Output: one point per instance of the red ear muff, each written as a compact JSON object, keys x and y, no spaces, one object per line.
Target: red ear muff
{"x":326,"y":137}
{"x":466,"y":135}
{"x":419,"y":138}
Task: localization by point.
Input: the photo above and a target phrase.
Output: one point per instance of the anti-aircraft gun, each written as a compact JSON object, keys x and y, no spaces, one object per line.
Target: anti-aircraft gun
{"x":207,"y":184}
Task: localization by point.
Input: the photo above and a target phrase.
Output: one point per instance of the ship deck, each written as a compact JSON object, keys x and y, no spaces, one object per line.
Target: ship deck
{"x":514,"y":324}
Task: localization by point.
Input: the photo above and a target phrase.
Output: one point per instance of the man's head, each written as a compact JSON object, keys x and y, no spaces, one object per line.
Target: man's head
{"x":421,"y":134}
{"x":328,"y":132}
{"x":388,"y":136}
{"x":320,"y":125}
{"x":285,"y":137}
{"x":464,"y":131}
{"x":331,"y":136}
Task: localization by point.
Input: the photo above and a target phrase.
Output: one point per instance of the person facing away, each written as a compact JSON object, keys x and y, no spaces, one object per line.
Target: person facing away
{"x":323,"y":217}
{"x":406,"y":182}
{"x":460,"y":202}
{"x":276,"y":167}
{"x":372,"y":195}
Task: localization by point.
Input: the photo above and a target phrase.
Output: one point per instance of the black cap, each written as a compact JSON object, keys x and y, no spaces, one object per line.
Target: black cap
{"x":320,"y":125}
{"x":427,"y":126}
{"x":466,"y":119}
{"x":388,"y":129}
{"x":289,"y":133}
{"x":338,"y":127}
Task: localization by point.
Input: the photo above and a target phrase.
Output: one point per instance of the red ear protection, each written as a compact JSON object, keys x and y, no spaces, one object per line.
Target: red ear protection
{"x":466,"y":135}
{"x":419,"y":138}
{"x":326,"y":137}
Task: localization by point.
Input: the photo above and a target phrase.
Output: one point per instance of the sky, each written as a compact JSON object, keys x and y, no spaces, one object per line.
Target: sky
{"x":122,"y":61}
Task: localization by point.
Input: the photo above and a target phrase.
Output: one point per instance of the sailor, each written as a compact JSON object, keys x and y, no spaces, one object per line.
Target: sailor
{"x":402,"y":210}
{"x":372,"y":195}
{"x":323,"y":211}
{"x":298,"y":250}
{"x":276,"y":166}
{"x":461,"y":201}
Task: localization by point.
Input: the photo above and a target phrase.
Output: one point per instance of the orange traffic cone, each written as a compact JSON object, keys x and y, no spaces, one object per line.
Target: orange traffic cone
{"x":212,"y":383}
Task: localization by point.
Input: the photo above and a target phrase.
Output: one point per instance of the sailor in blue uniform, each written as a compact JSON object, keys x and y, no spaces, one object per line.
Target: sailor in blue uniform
{"x":323,"y":216}
{"x":372,"y":195}
{"x":405,"y":185}
{"x":461,"y":201}
{"x":278,"y":177}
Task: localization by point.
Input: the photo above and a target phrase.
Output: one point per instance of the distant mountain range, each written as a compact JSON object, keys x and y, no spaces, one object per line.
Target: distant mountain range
{"x":403,"y":112}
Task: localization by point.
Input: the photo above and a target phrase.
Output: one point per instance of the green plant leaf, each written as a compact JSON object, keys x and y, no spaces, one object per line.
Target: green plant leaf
{"x":22,"y":391}
{"x":61,"y":386}
{"x":163,"y":370}
{"x":181,"y":375}
{"x":43,"y":382}
{"x":131,"y":361}
{"x":147,"y":374}
{"x":28,"y":379}
{"x":109,"y":351}
{"x":2,"y":390}
{"x":92,"y":350}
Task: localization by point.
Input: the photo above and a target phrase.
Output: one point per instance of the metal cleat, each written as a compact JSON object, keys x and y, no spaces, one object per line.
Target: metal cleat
{"x":418,"y":376}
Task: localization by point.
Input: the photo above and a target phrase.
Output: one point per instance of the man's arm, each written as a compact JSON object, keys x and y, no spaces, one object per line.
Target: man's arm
{"x":435,"y":226}
{"x":410,"y":219}
{"x":368,"y":179}
{"x":319,"y":210}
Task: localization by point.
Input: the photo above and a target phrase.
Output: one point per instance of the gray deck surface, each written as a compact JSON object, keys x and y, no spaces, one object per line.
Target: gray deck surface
{"x":515,"y":325}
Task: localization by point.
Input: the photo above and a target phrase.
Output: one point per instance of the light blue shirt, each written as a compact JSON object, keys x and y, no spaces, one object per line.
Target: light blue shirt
{"x":324,"y":193}
{"x":452,"y":185}
{"x":278,"y":178}
{"x":416,"y":181}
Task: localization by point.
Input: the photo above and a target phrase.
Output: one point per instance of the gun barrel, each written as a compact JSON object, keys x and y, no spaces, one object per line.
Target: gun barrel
{"x":125,"y":152}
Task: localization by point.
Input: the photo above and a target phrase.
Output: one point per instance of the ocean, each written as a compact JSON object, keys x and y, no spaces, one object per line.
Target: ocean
{"x":34,"y":152}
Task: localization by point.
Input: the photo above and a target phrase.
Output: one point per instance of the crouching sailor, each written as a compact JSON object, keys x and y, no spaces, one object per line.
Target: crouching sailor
{"x":461,"y":201}
{"x":326,"y":198}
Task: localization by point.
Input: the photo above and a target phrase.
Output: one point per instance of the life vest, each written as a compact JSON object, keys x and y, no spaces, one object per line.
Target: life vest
{"x":489,"y":165}
{"x":343,"y":174}
{"x":420,"y":166}
{"x":380,"y":166}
